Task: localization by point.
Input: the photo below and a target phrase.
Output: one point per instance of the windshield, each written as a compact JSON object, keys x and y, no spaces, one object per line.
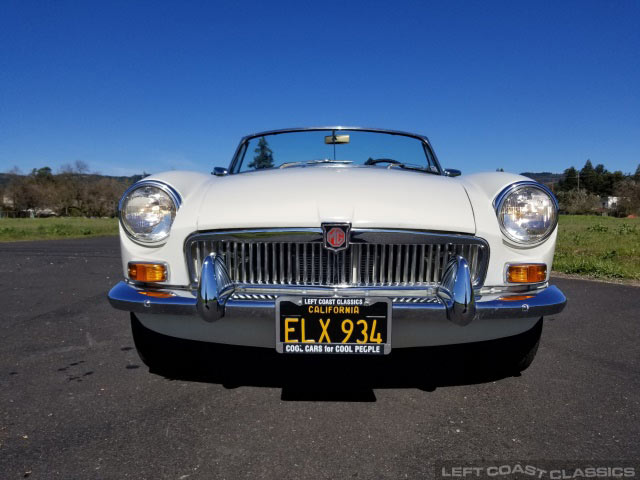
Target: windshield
{"x":313,"y":147}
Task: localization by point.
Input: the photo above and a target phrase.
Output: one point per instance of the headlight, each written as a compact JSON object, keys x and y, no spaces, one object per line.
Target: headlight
{"x":147,"y":211}
{"x":527,"y":212}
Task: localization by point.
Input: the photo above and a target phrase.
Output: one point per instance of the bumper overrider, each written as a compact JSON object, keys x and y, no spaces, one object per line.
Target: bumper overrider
{"x":454,"y":300}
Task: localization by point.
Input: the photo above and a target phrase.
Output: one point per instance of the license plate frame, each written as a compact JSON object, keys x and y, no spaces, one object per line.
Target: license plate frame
{"x":369,"y":304}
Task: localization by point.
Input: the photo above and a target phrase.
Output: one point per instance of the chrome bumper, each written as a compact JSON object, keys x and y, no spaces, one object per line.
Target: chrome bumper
{"x":539,"y":303}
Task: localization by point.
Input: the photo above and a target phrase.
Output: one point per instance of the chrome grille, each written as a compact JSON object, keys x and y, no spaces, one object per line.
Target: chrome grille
{"x":254,"y":261}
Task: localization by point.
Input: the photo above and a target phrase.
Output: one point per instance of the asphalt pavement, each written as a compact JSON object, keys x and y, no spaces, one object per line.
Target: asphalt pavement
{"x":76,"y":402}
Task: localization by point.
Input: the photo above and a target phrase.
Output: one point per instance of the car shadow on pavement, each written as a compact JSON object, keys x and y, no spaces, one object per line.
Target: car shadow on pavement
{"x":335,"y":378}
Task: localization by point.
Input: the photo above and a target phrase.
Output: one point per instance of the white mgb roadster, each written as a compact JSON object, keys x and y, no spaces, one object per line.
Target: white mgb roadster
{"x":337,"y":240}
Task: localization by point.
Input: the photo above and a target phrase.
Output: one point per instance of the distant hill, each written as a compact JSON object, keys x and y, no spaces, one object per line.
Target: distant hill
{"x":544,"y":177}
{"x":5,"y":178}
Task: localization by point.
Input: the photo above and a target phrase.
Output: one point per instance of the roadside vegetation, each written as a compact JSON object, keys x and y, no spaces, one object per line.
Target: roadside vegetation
{"x":16,"y":229}
{"x":72,"y":192}
{"x":600,"y":247}
{"x":596,"y":190}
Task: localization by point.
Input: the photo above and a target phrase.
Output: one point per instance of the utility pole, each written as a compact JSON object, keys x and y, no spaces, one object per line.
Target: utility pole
{"x":578,"y":172}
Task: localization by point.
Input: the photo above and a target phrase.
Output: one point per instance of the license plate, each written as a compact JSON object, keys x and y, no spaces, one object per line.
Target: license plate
{"x":345,"y":325}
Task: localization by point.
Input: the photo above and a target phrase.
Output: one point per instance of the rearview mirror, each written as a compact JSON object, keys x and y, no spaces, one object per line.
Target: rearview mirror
{"x":220,"y":171}
{"x":452,"y":172}
{"x":336,"y":139}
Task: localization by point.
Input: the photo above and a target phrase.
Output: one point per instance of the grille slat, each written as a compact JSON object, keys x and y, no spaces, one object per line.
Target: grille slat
{"x":235,"y":260}
{"x":405,"y":278}
{"x":414,"y":263}
{"x":259,"y":262}
{"x":319,"y":265}
{"x":327,"y":280}
{"x":227,"y":256}
{"x":445,"y":256}
{"x":251,"y":277}
{"x":275,"y":262}
{"x":244,"y":264}
{"x":309,"y":263}
{"x":367,"y":257}
{"x":304,"y":263}
{"x":313,"y":264}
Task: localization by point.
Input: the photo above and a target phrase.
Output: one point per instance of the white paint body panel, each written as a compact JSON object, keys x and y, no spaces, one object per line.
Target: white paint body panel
{"x":372,"y":197}
{"x":309,"y":196}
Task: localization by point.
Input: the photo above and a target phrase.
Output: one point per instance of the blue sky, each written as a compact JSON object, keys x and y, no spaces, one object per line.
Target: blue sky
{"x":132,"y":86}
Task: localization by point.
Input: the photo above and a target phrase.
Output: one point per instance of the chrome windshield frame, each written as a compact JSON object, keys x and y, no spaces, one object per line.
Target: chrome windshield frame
{"x":244,"y":141}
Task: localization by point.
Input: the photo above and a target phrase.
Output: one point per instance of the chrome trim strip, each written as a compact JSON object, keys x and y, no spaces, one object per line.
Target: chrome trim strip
{"x":168,"y":189}
{"x":260,"y":297}
{"x":409,"y":292}
{"x":514,"y":288}
{"x":349,"y":290}
{"x":501,"y":197}
{"x":152,"y":286}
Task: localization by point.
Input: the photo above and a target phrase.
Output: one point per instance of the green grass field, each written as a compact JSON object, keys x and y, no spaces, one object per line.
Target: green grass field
{"x":601,"y":247}
{"x":15,"y":229}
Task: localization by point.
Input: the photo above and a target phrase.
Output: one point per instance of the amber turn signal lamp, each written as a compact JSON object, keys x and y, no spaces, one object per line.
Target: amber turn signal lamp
{"x":158,"y":294}
{"x":147,"y":272}
{"x":515,"y":298}
{"x":527,"y":273}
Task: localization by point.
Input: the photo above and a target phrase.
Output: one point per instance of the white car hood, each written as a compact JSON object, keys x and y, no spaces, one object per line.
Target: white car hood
{"x":309,"y":196}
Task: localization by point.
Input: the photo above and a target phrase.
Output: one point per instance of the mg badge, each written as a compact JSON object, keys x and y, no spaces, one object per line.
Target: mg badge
{"x":336,"y":236}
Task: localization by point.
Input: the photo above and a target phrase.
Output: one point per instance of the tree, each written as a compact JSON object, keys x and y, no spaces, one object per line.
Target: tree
{"x":570,"y":180}
{"x":67,"y":191}
{"x":628,"y":192}
{"x":636,"y":176}
{"x":599,"y":181}
{"x":70,"y":192}
{"x":264,"y":157}
{"x":44,"y":172}
{"x":81,"y":167}
{"x":102,"y":197}
{"x":587,"y":176}
{"x":610,"y":182}
{"x":578,"y":202}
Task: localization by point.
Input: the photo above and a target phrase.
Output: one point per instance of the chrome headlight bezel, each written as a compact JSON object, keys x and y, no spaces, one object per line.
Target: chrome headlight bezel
{"x":171,"y":193}
{"x":500,"y":199}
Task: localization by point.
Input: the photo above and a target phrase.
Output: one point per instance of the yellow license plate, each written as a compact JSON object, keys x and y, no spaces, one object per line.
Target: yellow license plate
{"x":333,"y":325}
